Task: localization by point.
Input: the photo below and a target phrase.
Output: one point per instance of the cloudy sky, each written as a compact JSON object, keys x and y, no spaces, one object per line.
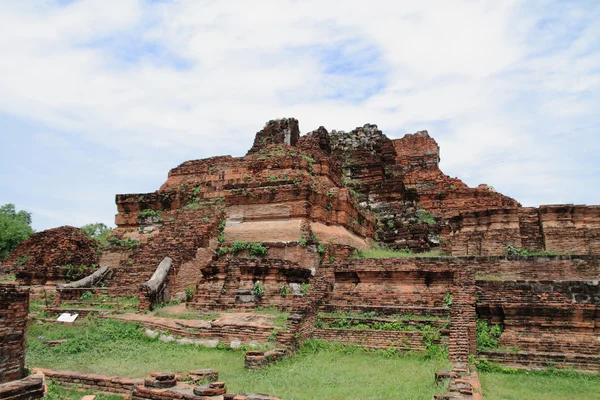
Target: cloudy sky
{"x":99,"y":97}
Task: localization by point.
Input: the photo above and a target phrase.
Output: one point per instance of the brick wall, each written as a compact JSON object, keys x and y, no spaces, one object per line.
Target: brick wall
{"x":544,"y":316}
{"x":229,"y":282}
{"x":14,"y":308}
{"x":568,"y":229}
{"x":380,"y":339}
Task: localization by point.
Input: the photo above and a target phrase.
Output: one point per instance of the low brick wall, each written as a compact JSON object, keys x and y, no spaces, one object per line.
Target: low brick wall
{"x":225,"y":334}
{"x":14,"y":308}
{"x":533,"y":360}
{"x":91,"y":381}
{"x":31,"y":387}
{"x":408,"y":340}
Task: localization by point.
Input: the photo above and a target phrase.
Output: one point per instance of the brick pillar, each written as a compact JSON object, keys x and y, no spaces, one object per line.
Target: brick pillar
{"x":14,"y":308}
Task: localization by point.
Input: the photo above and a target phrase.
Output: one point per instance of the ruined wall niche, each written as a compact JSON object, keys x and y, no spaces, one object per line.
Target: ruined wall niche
{"x":14,"y":303}
{"x":278,"y":131}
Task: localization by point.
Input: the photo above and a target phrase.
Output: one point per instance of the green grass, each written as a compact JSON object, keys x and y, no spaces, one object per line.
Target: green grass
{"x":56,"y":392}
{"x":163,"y":313}
{"x":540,"y":386}
{"x":318,"y":371}
{"x":7,"y":278}
{"x":395,"y":317}
{"x":376,"y":252}
{"x":104,"y":302}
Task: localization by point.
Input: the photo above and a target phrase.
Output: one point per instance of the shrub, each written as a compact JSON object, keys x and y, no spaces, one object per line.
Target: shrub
{"x":305,"y":288}
{"x":303,"y":241}
{"x":487,"y":335}
{"x":447,"y":301}
{"x":284,"y":290}
{"x":258,"y":289}
{"x":426,"y":217}
{"x":254,"y":249}
{"x":148,"y":213}
{"x":189,"y":293}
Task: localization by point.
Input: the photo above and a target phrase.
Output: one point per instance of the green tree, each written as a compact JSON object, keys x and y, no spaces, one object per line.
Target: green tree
{"x":97,"y":231}
{"x":14,"y":228}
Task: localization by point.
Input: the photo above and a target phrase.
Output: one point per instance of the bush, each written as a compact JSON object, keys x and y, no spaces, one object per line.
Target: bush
{"x":487,"y":335}
{"x":254,"y":249}
{"x":189,"y":293}
{"x":258,"y":289}
{"x":284,"y":290}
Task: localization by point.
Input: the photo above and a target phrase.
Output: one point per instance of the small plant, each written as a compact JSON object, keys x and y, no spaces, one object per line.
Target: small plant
{"x":321,"y":248}
{"x":257,"y":250}
{"x":258,"y":289}
{"x":304,"y":289}
{"x":303,"y":241}
{"x":223,"y":250}
{"x":329,"y":206}
{"x":22,"y":260}
{"x":331,"y":259}
{"x":189,"y":293}
{"x":86,"y":296}
{"x":150,"y":214}
{"x":284,"y":290}
{"x":246,"y":178}
{"x":254,"y":249}
{"x":487,"y":335}
{"x":271,"y":178}
{"x":425,"y":217}
{"x":447,"y":301}
{"x":115,"y":241}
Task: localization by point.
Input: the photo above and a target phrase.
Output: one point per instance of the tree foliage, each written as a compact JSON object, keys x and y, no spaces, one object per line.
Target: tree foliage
{"x":15,"y":227}
{"x":97,"y":231}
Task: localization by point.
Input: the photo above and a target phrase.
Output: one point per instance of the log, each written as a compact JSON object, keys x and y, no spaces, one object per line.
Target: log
{"x":153,"y":286}
{"x":88,"y":281}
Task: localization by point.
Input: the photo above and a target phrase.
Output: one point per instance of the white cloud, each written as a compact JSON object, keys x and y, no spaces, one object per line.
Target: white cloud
{"x":134,"y":77}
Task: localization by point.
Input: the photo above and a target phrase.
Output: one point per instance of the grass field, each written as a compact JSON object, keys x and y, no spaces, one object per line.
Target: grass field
{"x":540,"y":386}
{"x":318,"y":371}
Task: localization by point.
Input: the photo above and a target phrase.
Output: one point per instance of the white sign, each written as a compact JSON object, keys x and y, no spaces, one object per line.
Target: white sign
{"x":66,"y":317}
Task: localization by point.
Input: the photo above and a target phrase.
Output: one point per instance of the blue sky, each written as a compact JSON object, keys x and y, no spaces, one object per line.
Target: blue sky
{"x":99,"y":98}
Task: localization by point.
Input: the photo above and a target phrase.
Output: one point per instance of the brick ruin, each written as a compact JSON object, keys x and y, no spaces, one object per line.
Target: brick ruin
{"x":54,"y":255}
{"x":288,"y":216}
{"x":14,"y":309}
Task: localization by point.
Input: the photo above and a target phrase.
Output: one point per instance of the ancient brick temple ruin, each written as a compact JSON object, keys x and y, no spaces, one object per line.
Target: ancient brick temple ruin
{"x":279,"y":227}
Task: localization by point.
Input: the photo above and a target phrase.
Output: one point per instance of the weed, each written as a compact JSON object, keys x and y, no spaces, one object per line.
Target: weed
{"x":258,"y":289}
{"x":284,"y":290}
{"x":149,"y":214}
{"x":303,"y":241}
{"x":487,"y":335}
{"x":189,"y":293}
{"x":22,"y":260}
{"x":130,"y":243}
{"x":254,"y":249}
{"x":305,"y":288}
{"x":447,"y":300}
{"x":425,"y":217}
